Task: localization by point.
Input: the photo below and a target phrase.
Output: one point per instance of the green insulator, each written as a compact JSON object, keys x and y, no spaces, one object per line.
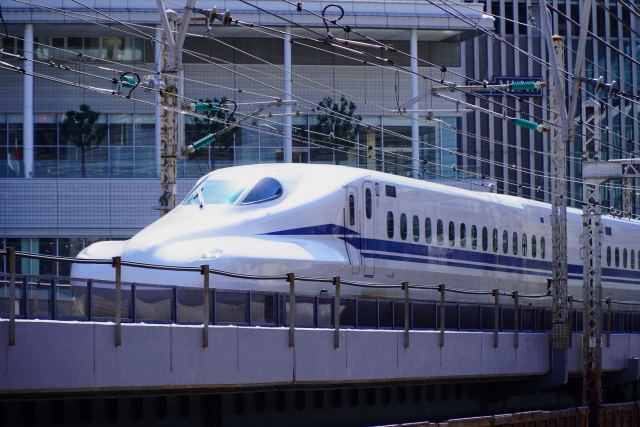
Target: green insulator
{"x":204,"y":107}
{"x":203,"y":142}
{"x":518,"y":86}
{"x":128,"y":82}
{"x":527,"y":124}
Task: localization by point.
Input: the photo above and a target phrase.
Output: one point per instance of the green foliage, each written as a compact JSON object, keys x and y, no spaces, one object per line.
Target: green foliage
{"x":338,"y":120}
{"x":204,"y":127}
{"x":82,"y":130}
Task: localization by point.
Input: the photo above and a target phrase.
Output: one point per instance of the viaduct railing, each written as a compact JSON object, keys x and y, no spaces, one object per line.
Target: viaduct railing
{"x":64,"y":298}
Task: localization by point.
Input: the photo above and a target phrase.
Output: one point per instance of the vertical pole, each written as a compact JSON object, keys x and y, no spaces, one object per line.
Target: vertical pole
{"x":415,"y":134}
{"x":288,"y":144}
{"x":496,"y":316}
{"x":442,"y":289}
{"x":54,"y":298}
{"x":608,"y":322}
{"x":11,"y":255}
{"x":169,"y":129}
{"x":292,"y":308}
{"x":158,"y":48}
{"x":117,"y":265}
{"x":405,"y":287}
{"x":27,"y":109}
{"x":336,"y":312}
{"x":205,"y":319}
{"x":592,"y":272}
{"x":516,"y":318}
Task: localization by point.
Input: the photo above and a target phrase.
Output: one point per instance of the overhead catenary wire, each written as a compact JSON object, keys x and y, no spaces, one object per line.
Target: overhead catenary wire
{"x":483,"y":160}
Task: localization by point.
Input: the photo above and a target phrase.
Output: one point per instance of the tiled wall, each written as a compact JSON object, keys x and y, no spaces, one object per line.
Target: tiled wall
{"x":87,"y":207}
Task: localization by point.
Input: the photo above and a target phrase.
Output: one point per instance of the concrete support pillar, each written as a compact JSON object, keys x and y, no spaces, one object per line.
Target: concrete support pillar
{"x":158,"y":59}
{"x":288,"y":151}
{"x":27,"y":112}
{"x":415,"y":136}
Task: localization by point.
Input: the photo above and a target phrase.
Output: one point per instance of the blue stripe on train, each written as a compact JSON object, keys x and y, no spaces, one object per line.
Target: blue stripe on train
{"x":398,"y":251}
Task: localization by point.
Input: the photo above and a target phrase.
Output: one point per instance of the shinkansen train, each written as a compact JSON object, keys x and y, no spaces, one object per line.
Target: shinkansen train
{"x":325,"y":221}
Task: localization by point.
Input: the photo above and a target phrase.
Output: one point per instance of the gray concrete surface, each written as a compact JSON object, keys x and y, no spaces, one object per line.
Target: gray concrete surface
{"x":75,"y":356}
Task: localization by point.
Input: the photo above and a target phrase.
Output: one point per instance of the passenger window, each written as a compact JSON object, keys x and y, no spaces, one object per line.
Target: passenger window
{"x":495,"y":240}
{"x":452,"y":233}
{"x":403,"y":227}
{"x":524,"y":245}
{"x":505,"y":241}
{"x":474,"y":237}
{"x":542,"y":248}
{"x":534,"y":248}
{"x":440,"y":231}
{"x":463,"y":235}
{"x":352,"y":211}
{"x":616,"y":257}
{"x":609,"y":256}
{"x":427,"y":230}
{"x":515,"y":243}
{"x":485,"y":238}
{"x":367,"y":203}
{"x":416,"y":228}
{"x":633,"y":259}
{"x":390,"y":225}
{"x":624,"y":258}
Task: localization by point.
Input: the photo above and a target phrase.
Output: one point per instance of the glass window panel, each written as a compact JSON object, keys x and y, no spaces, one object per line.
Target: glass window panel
{"x":299,"y":132}
{"x":624,"y":258}
{"x":45,"y":162}
{"x":46,"y":246}
{"x":440,"y":231}
{"x":543,"y":249}
{"x":416,"y":224}
{"x":247,"y":156}
{"x":524,"y":245}
{"x":369,"y":206}
{"x":145,"y":134}
{"x":463,"y":235}
{"x":138,"y":52}
{"x":485,"y":238}
{"x":390,"y":225}
{"x":108,"y":48}
{"x":247,"y":138}
{"x":41,"y":48}
{"x":121,"y":162}
{"x":74,"y":44}
{"x":145,"y":162}
{"x":321,"y":155}
{"x":271,"y":155}
{"x":515,"y":243}
{"x":452,"y":233}
{"x":633,"y":259}
{"x":96,"y":162}
{"x":534,"y":246}
{"x":403,"y":227}
{"x":124,"y":49}
{"x":91,"y":47}
{"x":69,"y":247}
{"x":505,"y":241}
{"x":474,"y":237}
{"x":120,"y":134}
{"x":57,"y":42}
{"x":271,"y":133}
{"x":45,"y":134}
{"x":495,"y":240}
{"x":609,"y":256}
{"x":427,"y":230}
{"x":398,"y":125}
{"x":617,"y":257}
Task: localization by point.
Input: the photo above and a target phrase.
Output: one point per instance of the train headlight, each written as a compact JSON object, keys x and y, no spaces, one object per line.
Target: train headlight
{"x":211,"y":254}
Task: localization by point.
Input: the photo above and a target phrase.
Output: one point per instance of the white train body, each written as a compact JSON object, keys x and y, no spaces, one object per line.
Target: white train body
{"x":334,"y":221}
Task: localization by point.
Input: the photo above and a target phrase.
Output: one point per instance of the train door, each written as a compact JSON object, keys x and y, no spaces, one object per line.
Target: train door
{"x":352,"y":229}
{"x":367,"y":239}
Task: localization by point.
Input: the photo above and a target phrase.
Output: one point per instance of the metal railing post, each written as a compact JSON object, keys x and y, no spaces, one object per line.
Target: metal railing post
{"x":608,"y":322}
{"x":441,"y":289}
{"x":205,"y":319}
{"x":54,"y":298}
{"x":292,"y":308}
{"x":336,"y":312}
{"x":405,"y":287}
{"x":516,"y":317}
{"x":11,"y":255}
{"x":496,"y":317}
{"x":117,"y":264}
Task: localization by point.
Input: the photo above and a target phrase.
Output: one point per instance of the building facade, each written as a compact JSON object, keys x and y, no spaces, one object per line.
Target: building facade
{"x":56,"y":200}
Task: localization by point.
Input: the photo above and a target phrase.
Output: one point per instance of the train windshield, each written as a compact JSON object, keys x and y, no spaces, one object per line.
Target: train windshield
{"x":217,"y":193}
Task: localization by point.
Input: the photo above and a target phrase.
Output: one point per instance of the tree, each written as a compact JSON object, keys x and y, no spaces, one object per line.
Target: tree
{"x":80,"y":128}
{"x":338,"y":122}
